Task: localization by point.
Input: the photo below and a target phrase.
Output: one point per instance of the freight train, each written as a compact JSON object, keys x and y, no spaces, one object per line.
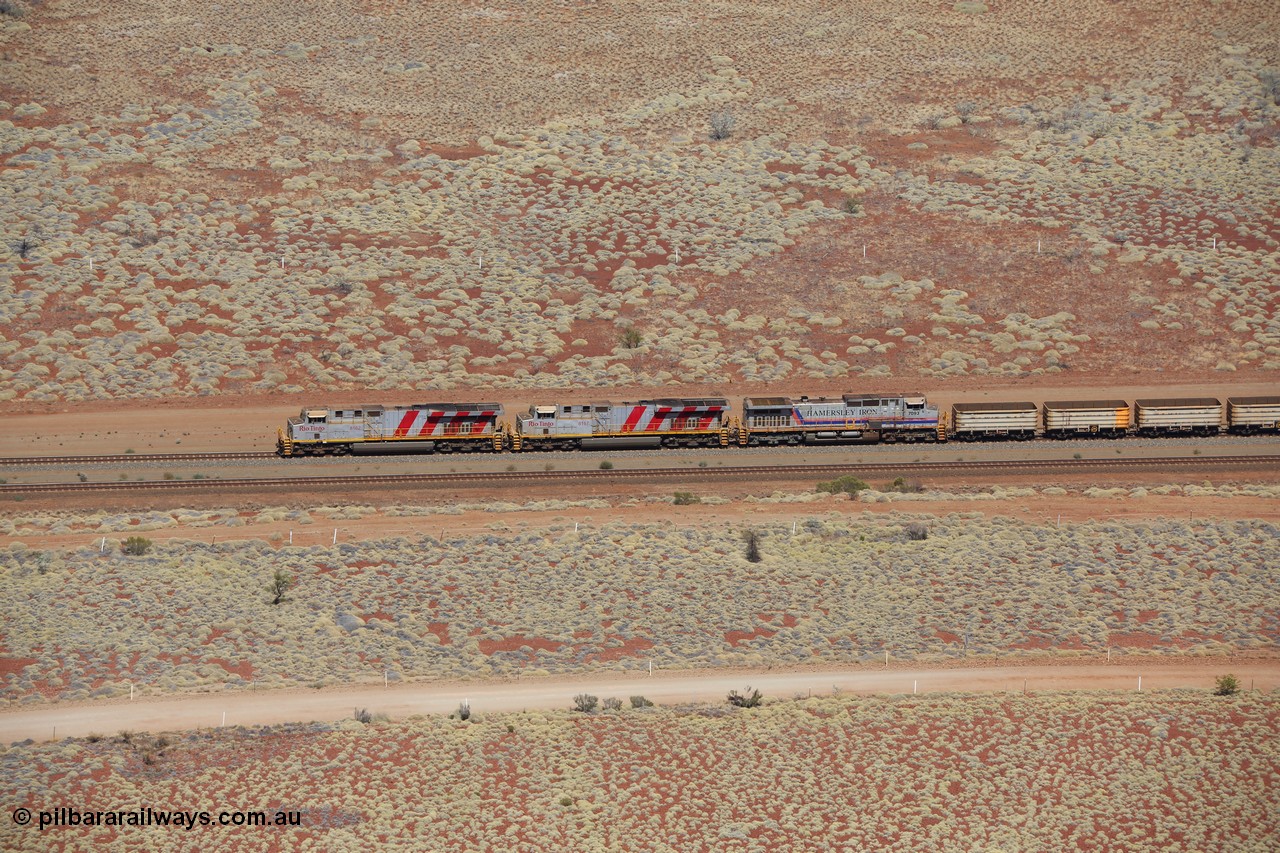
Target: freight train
{"x":764,"y":421}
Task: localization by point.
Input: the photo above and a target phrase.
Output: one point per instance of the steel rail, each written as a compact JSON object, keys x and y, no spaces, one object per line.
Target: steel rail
{"x":1026,"y":466}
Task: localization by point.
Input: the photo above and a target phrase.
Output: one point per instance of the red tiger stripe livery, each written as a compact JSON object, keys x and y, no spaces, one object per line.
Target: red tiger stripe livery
{"x":406,"y":423}
{"x":659,"y":416}
{"x":430,"y":426}
{"x":633,"y":419}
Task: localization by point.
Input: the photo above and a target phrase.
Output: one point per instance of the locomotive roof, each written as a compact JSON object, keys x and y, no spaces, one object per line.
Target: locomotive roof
{"x":689,"y":401}
{"x":915,"y":399}
{"x":452,"y":407}
{"x":766,"y":402}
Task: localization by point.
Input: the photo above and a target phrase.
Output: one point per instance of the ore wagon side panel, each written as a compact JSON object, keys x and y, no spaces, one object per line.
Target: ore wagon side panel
{"x":1068,"y":418}
{"x":972,"y":421}
{"x":1193,"y":415}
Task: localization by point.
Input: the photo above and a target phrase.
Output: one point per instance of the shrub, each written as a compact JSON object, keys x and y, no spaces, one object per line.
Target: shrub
{"x":362,"y":715}
{"x":747,"y":699}
{"x":752,"y":538}
{"x":566,"y":801}
{"x":722,"y":124}
{"x":631,"y":337}
{"x":851,"y":205}
{"x":686,"y":498}
{"x":464,"y":710}
{"x":585,"y":702}
{"x":1227,"y":685}
{"x":606,"y":465}
{"x":280,"y":584}
{"x":848,"y":484}
{"x":136,"y":546}
{"x":613,"y":704}
{"x":640,"y":702}
{"x":917,"y":531}
{"x":904,"y":486}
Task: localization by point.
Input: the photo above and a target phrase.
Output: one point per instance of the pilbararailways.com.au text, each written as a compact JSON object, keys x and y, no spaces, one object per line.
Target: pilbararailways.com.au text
{"x":64,"y":816}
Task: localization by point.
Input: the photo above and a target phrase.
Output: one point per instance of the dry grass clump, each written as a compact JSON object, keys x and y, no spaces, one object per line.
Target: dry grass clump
{"x":191,"y":616}
{"x":902,"y":773}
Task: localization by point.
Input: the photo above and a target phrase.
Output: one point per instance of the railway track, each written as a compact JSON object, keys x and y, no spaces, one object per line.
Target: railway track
{"x":125,"y":458}
{"x":1180,"y":464}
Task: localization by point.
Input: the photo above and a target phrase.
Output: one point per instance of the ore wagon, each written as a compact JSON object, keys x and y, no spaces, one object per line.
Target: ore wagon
{"x":1179,"y":416}
{"x":980,"y":421}
{"x":1087,"y":418}
{"x":1253,"y":415}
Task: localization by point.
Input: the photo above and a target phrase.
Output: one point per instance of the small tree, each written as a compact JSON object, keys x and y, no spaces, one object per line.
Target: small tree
{"x":848,"y":484}
{"x":363,"y":715}
{"x":686,"y":499}
{"x":722,"y":124}
{"x":585,"y":703}
{"x":136,"y":546}
{"x":631,"y":337}
{"x":752,"y":539}
{"x":1227,"y":685}
{"x":613,"y":704}
{"x":281,"y":582}
{"x":24,"y":247}
{"x":464,"y":710}
{"x":640,"y":702}
{"x":747,"y":699}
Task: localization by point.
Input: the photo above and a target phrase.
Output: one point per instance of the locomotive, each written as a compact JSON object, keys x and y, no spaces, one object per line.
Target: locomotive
{"x":765,"y":421}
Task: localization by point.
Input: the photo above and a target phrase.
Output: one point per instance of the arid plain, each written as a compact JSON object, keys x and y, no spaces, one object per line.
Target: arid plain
{"x":215,"y":214}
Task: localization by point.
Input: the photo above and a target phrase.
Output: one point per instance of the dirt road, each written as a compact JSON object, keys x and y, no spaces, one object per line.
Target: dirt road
{"x":399,"y":701}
